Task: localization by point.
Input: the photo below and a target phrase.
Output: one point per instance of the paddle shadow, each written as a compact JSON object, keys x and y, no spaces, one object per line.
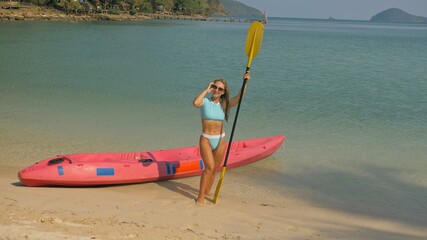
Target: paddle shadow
{"x":178,"y":187}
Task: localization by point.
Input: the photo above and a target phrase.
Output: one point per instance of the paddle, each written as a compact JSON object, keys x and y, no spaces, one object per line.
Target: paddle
{"x":253,"y":43}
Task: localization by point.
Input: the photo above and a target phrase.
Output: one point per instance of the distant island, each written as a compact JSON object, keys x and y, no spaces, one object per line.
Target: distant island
{"x":395,"y":15}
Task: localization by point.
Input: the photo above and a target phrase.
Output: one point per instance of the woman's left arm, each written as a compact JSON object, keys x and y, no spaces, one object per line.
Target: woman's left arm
{"x":235,"y":100}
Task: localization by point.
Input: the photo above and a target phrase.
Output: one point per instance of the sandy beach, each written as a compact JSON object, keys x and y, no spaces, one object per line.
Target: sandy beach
{"x":166,"y":210}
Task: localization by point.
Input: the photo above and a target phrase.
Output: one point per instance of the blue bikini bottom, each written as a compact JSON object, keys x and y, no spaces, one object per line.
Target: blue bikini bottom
{"x":213,"y":139}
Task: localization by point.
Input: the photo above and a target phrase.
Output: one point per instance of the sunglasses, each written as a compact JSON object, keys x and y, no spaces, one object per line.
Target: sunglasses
{"x":217,"y":88}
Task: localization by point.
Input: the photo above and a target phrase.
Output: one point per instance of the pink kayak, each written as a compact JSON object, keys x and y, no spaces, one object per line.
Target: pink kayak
{"x":91,"y":169}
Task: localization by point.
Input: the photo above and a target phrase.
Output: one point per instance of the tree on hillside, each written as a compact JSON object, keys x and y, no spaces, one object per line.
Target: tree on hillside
{"x":40,"y":2}
{"x":69,"y":6}
{"x":166,"y":5}
{"x":191,"y":6}
{"x":144,"y":5}
{"x":214,"y":3}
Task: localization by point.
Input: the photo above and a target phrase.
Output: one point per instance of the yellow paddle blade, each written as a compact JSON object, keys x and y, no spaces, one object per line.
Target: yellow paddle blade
{"x":218,"y":186}
{"x":253,"y":41}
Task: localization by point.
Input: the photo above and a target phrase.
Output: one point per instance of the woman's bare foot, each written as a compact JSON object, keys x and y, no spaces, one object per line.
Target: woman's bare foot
{"x":198,"y":202}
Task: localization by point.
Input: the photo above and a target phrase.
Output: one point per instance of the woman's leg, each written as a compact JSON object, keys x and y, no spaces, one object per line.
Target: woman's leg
{"x":218,"y":155}
{"x":208,"y":160}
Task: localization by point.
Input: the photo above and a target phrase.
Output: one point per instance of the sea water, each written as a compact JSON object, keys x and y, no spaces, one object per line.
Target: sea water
{"x":350,"y":96}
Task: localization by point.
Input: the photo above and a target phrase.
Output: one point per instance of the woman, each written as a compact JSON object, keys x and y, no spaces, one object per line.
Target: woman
{"x":214,"y":111}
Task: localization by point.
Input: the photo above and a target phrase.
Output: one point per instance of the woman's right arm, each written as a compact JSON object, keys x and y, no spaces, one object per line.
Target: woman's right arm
{"x":198,"y":101}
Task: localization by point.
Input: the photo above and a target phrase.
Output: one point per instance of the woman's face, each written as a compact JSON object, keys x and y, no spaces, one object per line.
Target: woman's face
{"x":218,"y":89}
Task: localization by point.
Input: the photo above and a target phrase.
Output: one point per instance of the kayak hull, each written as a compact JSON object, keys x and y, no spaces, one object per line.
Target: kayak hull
{"x":94,"y":169}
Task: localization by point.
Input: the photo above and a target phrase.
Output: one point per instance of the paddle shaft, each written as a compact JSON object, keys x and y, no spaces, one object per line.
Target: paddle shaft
{"x":235,"y":119}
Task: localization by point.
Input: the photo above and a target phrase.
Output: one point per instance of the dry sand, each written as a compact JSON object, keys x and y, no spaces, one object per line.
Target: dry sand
{"x":166,"y":210}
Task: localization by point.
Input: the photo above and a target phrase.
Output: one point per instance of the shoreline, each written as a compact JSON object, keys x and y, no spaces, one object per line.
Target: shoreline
{"x":21,"y":12}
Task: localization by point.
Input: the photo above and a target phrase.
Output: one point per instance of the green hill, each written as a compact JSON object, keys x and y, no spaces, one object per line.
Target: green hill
{"x":238,"y":9}
{"x":205,"y":8}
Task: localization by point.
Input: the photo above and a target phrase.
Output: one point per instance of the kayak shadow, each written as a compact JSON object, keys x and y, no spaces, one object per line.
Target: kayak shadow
{"x":18,"y":184}
{"x":178,"y":187}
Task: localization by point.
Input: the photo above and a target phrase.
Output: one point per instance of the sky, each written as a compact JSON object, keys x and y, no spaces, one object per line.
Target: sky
{"x":339,"y":9}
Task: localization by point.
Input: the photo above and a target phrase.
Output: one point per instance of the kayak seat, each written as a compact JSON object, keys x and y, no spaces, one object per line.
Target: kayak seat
{"x":148,"y":160}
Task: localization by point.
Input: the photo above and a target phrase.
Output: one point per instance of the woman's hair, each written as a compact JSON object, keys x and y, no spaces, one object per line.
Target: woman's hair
{"x":225,"y":98}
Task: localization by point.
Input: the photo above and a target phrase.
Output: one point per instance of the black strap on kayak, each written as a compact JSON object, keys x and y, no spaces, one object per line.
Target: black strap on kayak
{"x":58,"y":160}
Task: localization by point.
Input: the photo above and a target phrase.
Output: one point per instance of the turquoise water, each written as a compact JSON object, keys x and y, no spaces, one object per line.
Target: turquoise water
{"x":350,"y":97}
